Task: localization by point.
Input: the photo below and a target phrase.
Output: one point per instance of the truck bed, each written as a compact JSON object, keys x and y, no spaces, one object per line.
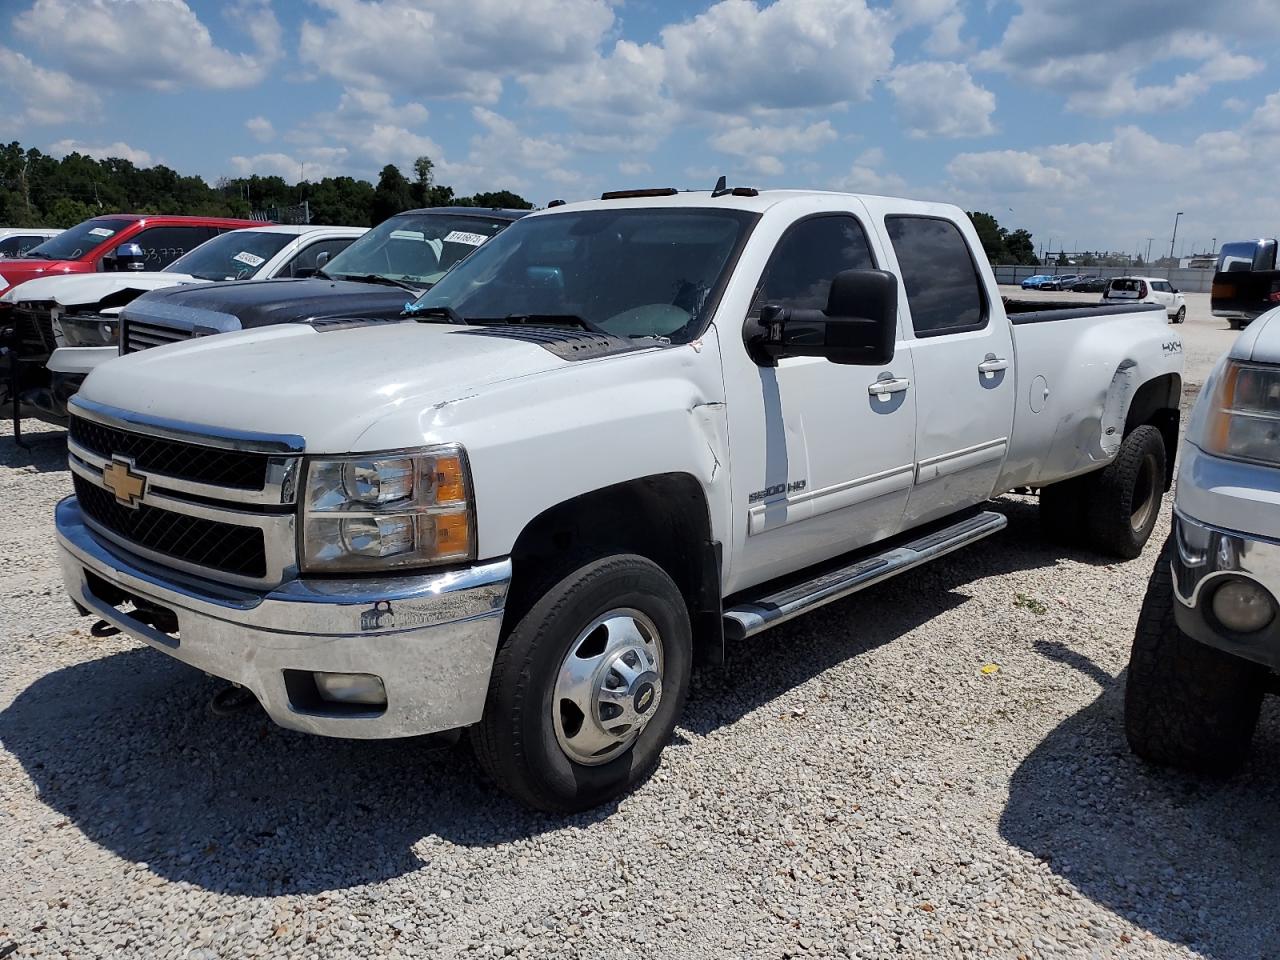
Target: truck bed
{"x":1047,"y":311}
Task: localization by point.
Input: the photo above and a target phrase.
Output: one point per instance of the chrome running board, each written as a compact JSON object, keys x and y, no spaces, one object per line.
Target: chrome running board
{"x":750,"y":617}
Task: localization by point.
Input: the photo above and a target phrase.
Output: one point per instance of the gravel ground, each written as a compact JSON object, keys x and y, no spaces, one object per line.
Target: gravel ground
{"x":858,"y":783}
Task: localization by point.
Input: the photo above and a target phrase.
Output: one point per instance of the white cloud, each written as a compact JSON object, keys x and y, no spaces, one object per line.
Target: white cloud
{"x":261,"y":128}
{"x":942,"y":100}
{"x":760,"y":148}
{"x":38,"y":95}
{"x":441,"y":48}
{"x":284,"y":165}
{"x":158,"y":44}
{"x":118,"y":150}
{"x":944,"y":17}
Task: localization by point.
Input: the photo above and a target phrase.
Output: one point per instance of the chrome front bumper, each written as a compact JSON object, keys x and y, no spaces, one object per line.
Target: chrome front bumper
{"x":431,"y":638}
{"x":1206,"y":556}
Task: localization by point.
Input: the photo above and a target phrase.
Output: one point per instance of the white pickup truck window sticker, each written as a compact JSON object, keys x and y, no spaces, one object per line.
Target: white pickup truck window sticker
{"x":470,"y":239}
{"x":252,"y":259}
{"x":100,"y":232}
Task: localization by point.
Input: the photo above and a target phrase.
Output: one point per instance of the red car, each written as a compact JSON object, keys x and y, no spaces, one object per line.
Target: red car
{"x":121,"y":241}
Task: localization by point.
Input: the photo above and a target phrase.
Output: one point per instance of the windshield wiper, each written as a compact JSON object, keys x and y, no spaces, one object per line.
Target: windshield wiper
{"x":425,"y":314}
{"x":542,"y":319}
{"x":378,"y":278}
{"x":38,"y":256}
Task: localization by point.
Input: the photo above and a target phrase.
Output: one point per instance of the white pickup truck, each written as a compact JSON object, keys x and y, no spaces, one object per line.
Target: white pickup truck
{"x":621,"y":433}
{"x":77,"y":314}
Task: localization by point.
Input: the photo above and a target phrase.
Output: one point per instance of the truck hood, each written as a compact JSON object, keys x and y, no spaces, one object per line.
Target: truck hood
{"x":327,"y":383}
{"x":245,"y":304}
{"x":81,"y":289}
{"x":1260,"y":341}
{"x":14,"y":272}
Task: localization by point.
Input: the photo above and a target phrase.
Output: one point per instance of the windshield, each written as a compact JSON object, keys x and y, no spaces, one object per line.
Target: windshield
{"x":75,"y":243}
{"x":415,"y":249}
{"x":631,"y":273}
{"x":237,"y":255}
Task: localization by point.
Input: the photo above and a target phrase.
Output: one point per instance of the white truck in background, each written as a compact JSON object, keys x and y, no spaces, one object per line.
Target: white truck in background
{"x":620,"y":434}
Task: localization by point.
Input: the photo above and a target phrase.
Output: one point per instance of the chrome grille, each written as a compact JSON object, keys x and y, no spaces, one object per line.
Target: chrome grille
{"x":174,"y":458}
{"x":141,"y":336}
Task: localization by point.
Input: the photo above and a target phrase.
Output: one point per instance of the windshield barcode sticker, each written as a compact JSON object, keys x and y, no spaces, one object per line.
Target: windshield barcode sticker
{"x":100,"y":232}
{"x":252,"y":259}
{"x":470,"y":239}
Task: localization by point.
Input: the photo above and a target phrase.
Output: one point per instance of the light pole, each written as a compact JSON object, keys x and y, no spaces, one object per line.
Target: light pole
{"x":1175,"y":233}
{"x":1150,"y":240}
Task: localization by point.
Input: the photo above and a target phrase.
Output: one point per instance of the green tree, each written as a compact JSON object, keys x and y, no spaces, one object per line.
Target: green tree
{"x":1021,"y":247}
{"x":392,"y":195}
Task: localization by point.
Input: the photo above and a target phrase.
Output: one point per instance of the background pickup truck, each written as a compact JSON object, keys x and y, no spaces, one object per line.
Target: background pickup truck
{"x":1247,"y":283}
{"x":83,"y":309}
{"x":374,"y":278}
{"x":622,"y":434}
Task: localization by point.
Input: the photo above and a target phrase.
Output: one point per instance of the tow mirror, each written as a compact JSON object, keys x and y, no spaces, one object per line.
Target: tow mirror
{"x":859,"y":325}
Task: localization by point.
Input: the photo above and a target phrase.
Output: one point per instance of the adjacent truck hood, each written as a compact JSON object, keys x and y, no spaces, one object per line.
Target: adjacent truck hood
{"x":1260,"y":341}
{"x":327,"y":383}
{"x":245,"y":304}
{"x":82,"y":289}
{"x":21,"y":270}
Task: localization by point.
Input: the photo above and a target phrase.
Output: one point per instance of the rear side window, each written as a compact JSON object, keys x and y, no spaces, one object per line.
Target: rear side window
{"x":807,"y":259}
{"x":163,"y":245}
{"x":943,"y":289}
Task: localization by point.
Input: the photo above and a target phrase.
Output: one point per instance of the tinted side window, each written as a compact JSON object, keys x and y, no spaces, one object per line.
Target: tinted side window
{"x":943,"y":289}
{"x":163,"y":245}
{"x":305,"y":259}
{"x":807,"y":259}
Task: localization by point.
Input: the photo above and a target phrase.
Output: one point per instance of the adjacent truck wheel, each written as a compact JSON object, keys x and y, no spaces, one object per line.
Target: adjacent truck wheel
{"x":1124,"y":497}
{"x":1186,"y":704}
{"x":1180,"y":315}
{"x":587,"y":686}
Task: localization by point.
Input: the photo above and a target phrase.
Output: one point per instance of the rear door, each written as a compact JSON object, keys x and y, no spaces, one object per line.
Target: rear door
{"x":962,"y":352}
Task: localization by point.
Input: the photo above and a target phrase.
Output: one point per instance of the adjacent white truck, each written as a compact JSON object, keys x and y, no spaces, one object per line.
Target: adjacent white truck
{"x":82,"y":309}
{"x":620,"y":434}
{"x":1207,"y":645}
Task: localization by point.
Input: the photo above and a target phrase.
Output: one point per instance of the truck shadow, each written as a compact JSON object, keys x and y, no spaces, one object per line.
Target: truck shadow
{"x":123,"y":747}
{"x":1192,"y":861}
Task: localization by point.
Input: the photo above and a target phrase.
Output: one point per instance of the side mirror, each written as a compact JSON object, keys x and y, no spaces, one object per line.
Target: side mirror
{"x":1174,"y":290}
{"x":322,"y":260}
{"x":129,"y":256}
{"x":859,"y":325}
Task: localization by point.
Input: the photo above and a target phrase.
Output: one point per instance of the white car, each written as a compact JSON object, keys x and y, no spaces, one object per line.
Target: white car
{"x":1207,"y":645}
{"x":1148,"y":290}
{"x":16,"y":241}
{"x":81,"y":309}
{"x":617,"y":433}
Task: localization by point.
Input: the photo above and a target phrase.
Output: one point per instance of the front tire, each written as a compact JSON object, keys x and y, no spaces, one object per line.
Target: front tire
{"x":1186,"y":704}
{"x":1181,"y":315}
{"x":587,"y":687}
{"x":1125,"y":496}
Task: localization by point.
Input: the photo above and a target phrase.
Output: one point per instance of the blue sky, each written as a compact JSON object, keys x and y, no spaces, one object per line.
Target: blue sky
{"x":1089,"y":123}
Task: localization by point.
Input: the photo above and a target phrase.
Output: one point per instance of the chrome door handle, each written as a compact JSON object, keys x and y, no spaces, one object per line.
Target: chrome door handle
{"x":883,"y":387}
{"x":993,"y":364}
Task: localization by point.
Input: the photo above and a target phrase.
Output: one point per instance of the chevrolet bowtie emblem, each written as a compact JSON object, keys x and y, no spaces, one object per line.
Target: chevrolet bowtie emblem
{"x":119,"y":478}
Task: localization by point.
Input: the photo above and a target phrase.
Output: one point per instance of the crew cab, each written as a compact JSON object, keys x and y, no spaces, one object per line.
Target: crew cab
{"x":1246,"y":283}
{"x":621,"y":434}
{"x":1207,"y":645}
{"x":121,"y":241}
{"x":373,"y":278}
{"x":1148,"y":290}
{"x":78,"y":314}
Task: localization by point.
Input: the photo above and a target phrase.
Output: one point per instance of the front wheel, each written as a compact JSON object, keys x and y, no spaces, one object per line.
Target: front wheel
{"x":1181,"y":315}
{"x":1124,"y":498}
{"x":587,"y":687}
{"x":1186,"y":705}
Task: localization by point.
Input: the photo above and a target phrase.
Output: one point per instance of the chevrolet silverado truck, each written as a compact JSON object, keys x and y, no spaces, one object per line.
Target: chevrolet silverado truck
{"x":621,"y":434}
{"x":373,"y":278}
{"x":1246,"y":283}
{"x":1207,"y":645}
{"x":83,"y":308}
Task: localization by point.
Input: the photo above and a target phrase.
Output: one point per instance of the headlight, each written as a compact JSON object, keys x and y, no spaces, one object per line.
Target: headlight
{"x":383,"y":511}
{"x":1244,"y":422}
{"x":89,"y":330}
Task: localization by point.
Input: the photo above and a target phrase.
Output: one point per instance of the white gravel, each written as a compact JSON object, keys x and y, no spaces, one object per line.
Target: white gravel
{"x":853,"y":784}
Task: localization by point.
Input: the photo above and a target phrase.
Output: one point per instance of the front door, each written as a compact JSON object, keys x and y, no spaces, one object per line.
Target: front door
{"x":962,"y":352}
{"x":823,"y":453}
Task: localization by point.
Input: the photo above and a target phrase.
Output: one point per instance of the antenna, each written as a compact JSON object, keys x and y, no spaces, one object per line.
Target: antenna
{"x":721,"y":187}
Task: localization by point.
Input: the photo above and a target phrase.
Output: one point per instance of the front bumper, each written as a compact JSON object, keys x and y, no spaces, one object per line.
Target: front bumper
{"x":1208,"y":556}
{"x":80,"y":360}
{"x":431,"y":638}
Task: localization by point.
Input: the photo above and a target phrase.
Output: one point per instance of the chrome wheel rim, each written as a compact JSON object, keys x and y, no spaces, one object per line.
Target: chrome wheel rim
{"x":1146,"y":494}
{"x":608,"y":687}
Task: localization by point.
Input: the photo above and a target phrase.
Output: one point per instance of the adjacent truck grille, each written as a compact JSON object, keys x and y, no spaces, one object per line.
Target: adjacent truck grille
{"x":34,"y":328}
{"x":225,"y":547}
{"x":174,"y":458}
{"x":140,"y":336}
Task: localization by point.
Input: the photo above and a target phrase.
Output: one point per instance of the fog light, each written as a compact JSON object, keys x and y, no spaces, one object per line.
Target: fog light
{"x":351,"y":688}
{"x":1243,"y":606}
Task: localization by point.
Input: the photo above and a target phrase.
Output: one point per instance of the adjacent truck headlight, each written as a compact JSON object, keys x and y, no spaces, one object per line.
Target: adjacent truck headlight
{"x":1244,"y":423}
{"x":387,"y":510}
{"x":89,"y":330}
